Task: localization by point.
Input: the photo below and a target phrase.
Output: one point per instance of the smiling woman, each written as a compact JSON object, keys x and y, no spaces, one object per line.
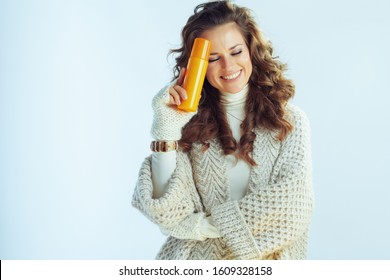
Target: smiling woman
{"x":230,"y":65}
{"x":236,"y":182}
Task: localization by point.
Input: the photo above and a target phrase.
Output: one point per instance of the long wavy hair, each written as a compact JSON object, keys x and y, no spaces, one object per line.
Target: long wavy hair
{"x":269,"y":90}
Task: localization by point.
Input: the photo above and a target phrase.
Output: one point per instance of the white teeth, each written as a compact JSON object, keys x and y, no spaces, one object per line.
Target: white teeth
{"x":231,"y":77}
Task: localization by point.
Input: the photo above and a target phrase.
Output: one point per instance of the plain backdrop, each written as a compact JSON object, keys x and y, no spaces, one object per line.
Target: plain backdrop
{"x":76,"y":83}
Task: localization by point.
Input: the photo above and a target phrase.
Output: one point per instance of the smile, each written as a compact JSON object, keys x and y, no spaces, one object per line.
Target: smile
{"x":232,"y":76}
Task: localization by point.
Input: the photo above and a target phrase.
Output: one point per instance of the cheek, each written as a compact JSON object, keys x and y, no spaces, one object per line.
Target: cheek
{"x":211,"y":74}
{"x":248,"y":65}
{"x":249,"y":68}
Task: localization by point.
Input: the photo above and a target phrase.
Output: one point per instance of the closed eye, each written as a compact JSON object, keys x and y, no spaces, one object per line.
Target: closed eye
{"x":213,"y":59}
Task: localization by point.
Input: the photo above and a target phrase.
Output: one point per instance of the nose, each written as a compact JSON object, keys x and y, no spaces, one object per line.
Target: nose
{"x":227,"y":62}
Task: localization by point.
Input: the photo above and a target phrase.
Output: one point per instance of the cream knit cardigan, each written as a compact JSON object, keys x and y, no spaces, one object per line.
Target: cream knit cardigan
{"x":270,"y":222}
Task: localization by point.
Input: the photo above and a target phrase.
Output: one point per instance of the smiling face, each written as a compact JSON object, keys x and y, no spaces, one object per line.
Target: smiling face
{"x":230,"y":65}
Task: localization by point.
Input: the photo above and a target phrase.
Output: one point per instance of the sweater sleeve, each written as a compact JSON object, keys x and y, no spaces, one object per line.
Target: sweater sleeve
{"x":277,"y":214}
{"x":196,"y":226}
{"x":178,"y":211}
{"x":175,"y":204}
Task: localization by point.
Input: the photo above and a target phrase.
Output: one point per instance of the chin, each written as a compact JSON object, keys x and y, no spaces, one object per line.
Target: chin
{"x":233,"y":89}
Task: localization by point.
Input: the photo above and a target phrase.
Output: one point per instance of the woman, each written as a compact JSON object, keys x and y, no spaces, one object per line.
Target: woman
{"x":233,"y":180}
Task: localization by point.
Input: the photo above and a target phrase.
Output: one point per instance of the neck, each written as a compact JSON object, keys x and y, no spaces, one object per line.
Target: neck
{"x":234,"y":99}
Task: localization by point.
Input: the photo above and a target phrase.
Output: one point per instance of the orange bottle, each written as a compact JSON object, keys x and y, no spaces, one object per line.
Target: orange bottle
{"x":195,"y":74}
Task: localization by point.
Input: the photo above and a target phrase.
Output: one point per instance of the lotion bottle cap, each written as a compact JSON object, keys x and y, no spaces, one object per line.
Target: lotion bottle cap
{"x":201,"y":48}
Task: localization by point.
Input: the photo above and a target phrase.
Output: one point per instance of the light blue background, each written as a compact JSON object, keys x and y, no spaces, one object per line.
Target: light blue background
{"x":76,"y":83}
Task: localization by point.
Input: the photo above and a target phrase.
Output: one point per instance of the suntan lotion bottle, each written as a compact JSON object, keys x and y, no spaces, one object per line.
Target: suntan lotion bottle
{"x":195,"y":74}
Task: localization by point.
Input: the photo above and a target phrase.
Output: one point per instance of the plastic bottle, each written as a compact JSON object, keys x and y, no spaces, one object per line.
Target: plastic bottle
{"x":195,"y":74}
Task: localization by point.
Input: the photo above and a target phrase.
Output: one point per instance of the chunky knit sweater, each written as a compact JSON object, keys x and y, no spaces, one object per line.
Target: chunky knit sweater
{"x":270,"y":222}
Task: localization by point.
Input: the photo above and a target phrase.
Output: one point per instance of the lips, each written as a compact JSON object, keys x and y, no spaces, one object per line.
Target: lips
{"x":232,"y":76}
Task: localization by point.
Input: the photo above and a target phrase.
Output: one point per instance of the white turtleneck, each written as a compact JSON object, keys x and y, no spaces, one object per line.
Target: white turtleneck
{"x":234,"y":104}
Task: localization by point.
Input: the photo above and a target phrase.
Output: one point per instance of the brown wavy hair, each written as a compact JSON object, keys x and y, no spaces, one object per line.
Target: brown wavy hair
{"x":269,"y":90}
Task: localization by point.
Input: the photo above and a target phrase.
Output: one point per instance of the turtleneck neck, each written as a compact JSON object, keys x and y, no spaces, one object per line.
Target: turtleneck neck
{"x":239,"y":170}
{"x":234,"y":105}
{"x":234,"y":100}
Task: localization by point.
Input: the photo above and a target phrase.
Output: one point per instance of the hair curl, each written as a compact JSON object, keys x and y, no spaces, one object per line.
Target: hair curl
{"x":269,"y":90}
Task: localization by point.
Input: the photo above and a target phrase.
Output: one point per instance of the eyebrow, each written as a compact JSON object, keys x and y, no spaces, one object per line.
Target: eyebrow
{"x":214,"y":53}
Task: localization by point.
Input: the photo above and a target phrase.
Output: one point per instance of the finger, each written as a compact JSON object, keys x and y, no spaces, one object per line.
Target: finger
{"x":182,"y":75}
{"x":181,"y":91}
{"x":174,"y":96}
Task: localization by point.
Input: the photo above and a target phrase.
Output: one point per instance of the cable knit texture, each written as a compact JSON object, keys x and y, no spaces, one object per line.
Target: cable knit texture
{"x":167,"y":121}
{"x":270,"y":222}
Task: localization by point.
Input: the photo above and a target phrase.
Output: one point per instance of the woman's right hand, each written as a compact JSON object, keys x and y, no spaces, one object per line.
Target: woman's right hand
{"x":176,"y":92}
{"x":168,"y":120}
